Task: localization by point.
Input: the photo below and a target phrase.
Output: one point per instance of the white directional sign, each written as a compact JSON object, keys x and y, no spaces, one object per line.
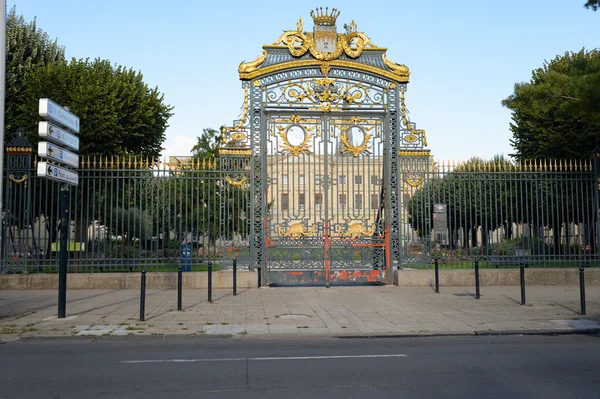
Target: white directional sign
{"x":51,"y":171}
{"x":58,"y":132}
{"x":57,"y":135}
{"x":53,"y":112}
{"x":55,"y":153}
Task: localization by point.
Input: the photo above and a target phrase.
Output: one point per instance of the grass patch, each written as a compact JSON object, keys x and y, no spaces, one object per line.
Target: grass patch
{"x":244,"y":332}
{"x":224,"y":324}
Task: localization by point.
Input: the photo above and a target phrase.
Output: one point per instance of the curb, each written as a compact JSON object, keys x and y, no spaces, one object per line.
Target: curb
{"x":478,"y":334}
{"x":185,"y":337}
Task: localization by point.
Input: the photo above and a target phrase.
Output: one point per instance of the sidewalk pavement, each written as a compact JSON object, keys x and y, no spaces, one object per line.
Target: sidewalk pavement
{"x":300,"y":311}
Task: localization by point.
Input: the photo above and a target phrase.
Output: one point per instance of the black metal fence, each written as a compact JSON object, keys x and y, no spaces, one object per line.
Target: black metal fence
{"x":541,"y":213}
{"x":132,"y":214}
{"x":129,"y":214}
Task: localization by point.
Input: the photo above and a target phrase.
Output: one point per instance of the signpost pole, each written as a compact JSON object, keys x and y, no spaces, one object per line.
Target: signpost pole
{"x":62,"y":262}
{"x":61,"y":118}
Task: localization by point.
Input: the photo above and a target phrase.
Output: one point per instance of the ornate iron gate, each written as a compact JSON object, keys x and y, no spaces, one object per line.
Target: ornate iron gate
{"x":324,"y":196}
{"x":322,"y":123}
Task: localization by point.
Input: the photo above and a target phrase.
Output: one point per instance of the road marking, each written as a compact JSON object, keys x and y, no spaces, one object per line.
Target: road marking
{"x":230,"y":359}
{"x":237,"y":359}
{"x":326,"y":357}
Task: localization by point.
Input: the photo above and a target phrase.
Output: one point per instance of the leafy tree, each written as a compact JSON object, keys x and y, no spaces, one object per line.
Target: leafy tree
{"x":488,"y":194}
{"x":27,"y":47}
{"x":478,"y":194}
{"x":221,"y":210}
{"x":119,"y":113}
{"x":208,"y":144}
{"x":557,"y":113}
{"x":593,"y":4}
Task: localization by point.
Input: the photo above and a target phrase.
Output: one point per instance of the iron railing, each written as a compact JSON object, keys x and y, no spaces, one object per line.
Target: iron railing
{"x":541,"y":213}
{"x":129,"y":214}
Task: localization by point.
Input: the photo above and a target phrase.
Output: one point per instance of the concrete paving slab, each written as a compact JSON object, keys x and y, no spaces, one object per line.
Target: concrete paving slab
{"x":301,"y":311}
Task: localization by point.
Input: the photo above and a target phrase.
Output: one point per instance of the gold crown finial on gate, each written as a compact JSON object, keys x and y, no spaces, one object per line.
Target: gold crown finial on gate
{"x":324,"y":18}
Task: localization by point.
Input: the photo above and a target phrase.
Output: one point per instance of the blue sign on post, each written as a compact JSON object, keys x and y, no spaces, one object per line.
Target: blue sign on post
{"x":186,"y":257}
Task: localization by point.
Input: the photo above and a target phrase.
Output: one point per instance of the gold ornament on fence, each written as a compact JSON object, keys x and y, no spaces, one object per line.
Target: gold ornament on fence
{"x":295,"y":147}
{"x":356,"y":230}
{"x":296,"y":231}
{"x":18,"y":181}
{"x":235,"y":183}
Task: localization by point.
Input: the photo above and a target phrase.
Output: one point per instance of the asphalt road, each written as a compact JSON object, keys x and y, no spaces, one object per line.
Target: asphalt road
{"x":432,"y":367}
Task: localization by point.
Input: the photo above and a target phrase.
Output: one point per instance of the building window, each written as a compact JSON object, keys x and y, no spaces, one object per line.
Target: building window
{"x":342,"y":179}
{"x":342,"y":201}
{"x":318,"y":201}
{"x":358,"y":179}
{"x":284,"y":179}
{"x":358,"y":201}
{"x":301,"y":201}
{"x":285,"y":202}
{"x":301,"y":180}
{"x":374,"y":201}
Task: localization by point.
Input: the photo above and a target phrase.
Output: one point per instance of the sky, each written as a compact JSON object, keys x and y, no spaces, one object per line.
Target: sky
{"x":464,"y":56}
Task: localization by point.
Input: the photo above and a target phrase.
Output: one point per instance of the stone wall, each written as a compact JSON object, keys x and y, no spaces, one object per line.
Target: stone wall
{"x":108,"y":281}
{"x":491,"y":277}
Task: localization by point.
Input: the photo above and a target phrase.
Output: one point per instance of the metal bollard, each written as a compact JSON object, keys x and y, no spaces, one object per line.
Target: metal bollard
{"x":234,"y":277}
{"x":582,"y":288}
{"x":437,"y":277}
{"x":477,"y":294}
{"x":522,"y":269}
{"x":143,"y":296}
{"x":259,"y":277}
{"x":209,"y":282}
{"x":179,"y":287}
